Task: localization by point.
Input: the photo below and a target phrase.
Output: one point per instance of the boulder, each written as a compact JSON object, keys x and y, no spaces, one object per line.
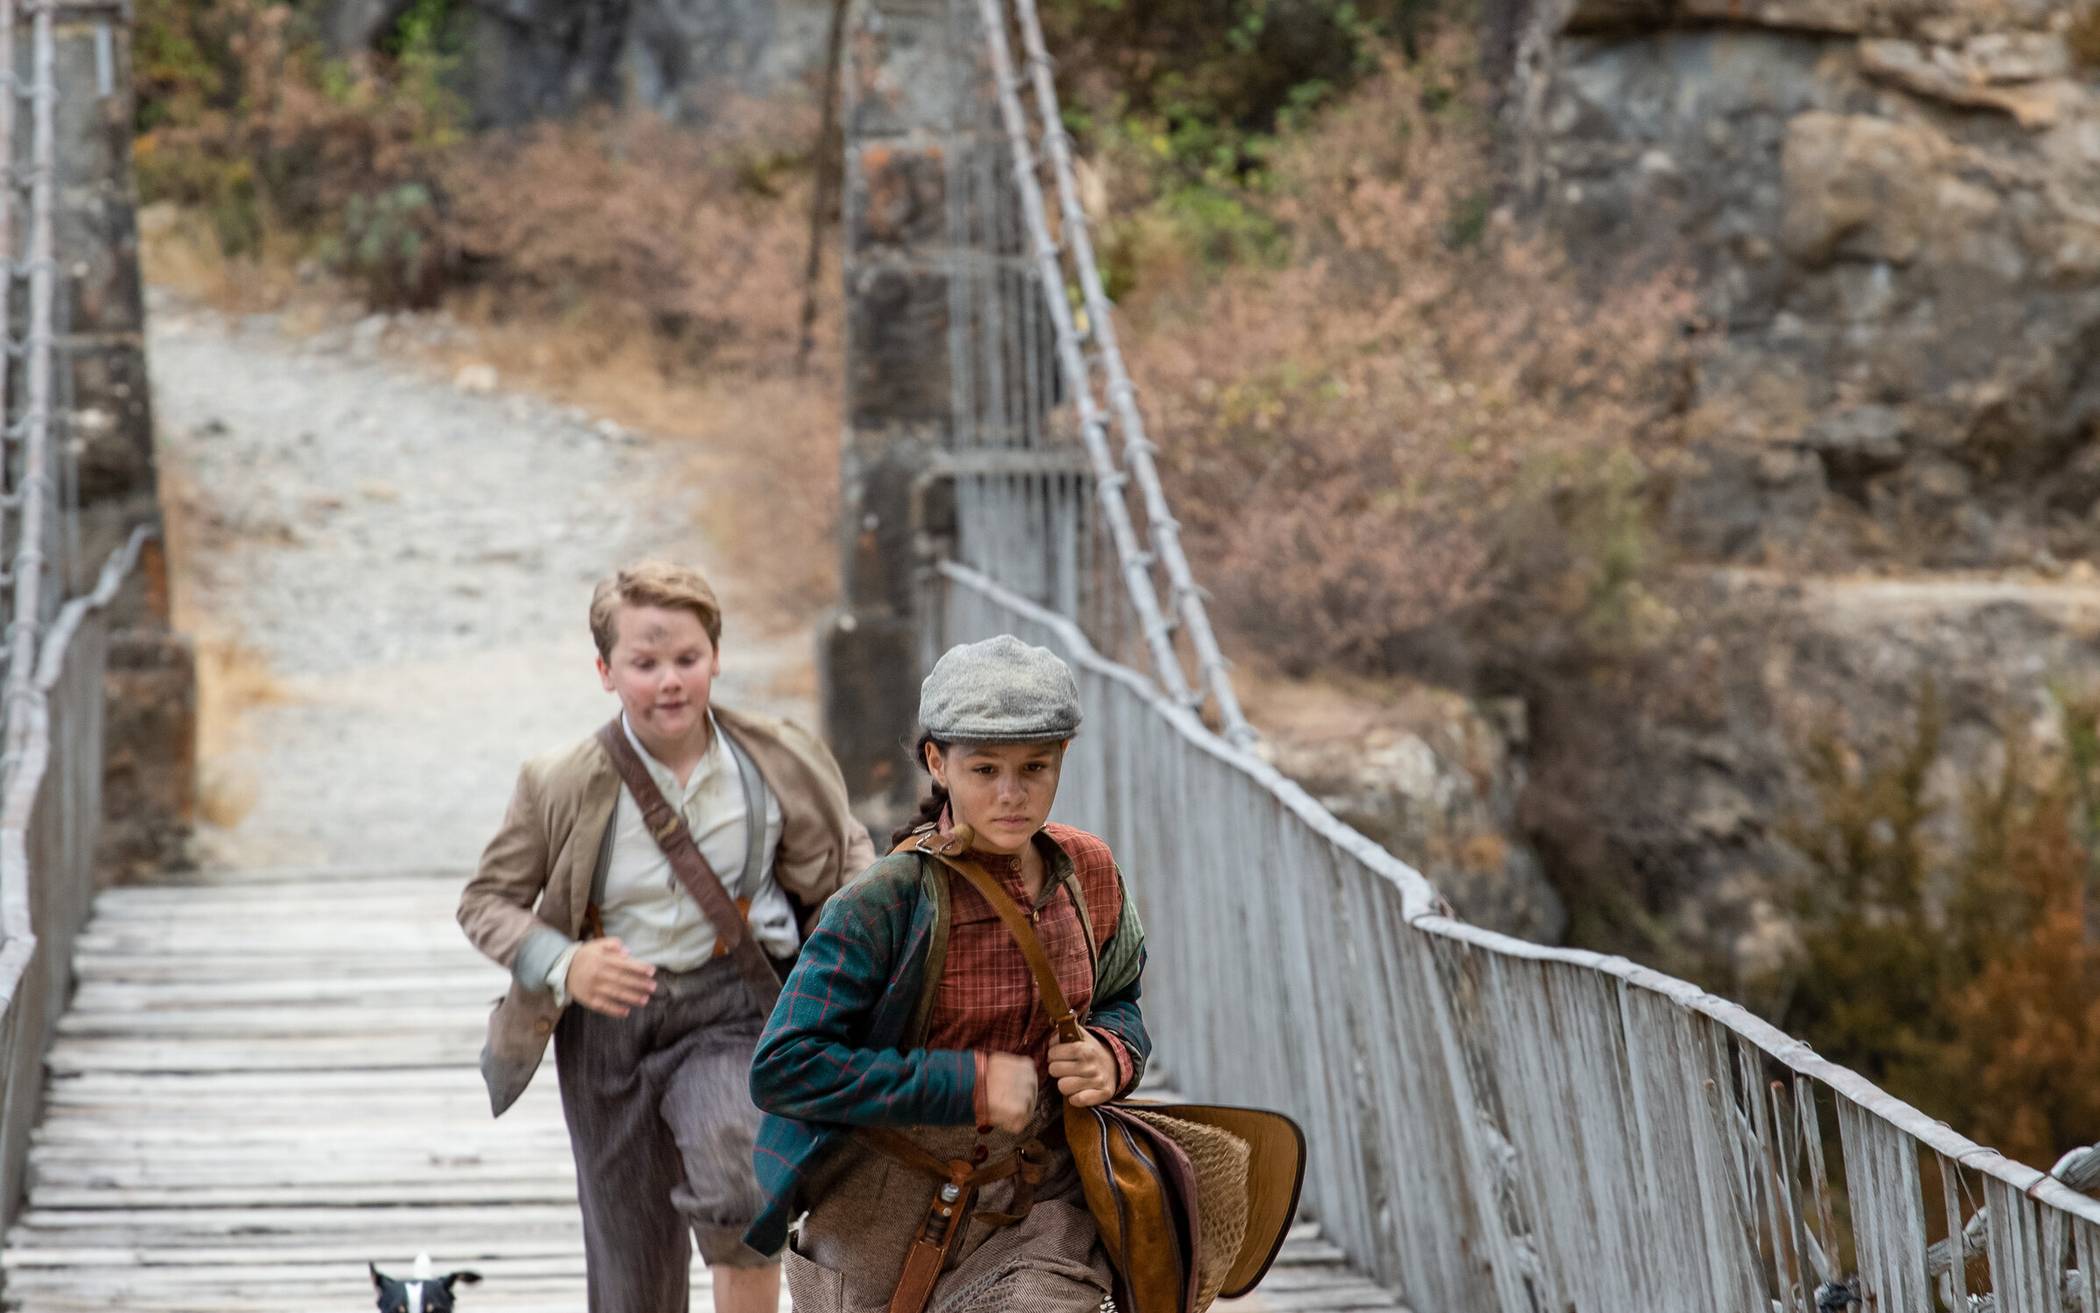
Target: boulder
{"x":1434,"y":776}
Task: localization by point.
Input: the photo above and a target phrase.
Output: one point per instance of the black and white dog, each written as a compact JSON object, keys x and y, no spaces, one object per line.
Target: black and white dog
{"x":423,"y":1292}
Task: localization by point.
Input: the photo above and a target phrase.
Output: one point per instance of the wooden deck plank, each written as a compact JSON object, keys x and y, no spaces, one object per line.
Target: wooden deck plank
{"x":242,"y":1110}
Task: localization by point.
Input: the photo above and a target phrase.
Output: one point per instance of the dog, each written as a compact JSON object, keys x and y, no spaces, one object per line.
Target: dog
{"x":424,"y":1292}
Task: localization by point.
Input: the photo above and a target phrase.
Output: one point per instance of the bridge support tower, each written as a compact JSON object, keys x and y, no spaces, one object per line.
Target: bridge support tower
{"x":107,"y":419}
{"x":899,"y":113}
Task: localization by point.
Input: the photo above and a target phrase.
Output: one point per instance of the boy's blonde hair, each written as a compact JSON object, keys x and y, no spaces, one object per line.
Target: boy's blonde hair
{"x":652,"y":583}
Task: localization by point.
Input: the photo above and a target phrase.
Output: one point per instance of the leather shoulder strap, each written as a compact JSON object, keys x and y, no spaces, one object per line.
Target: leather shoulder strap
{"x":689,"y":863}
{"x":1019,"y":926}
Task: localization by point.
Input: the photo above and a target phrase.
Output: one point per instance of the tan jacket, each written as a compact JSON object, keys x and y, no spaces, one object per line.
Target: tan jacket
{"x":528,"y":898}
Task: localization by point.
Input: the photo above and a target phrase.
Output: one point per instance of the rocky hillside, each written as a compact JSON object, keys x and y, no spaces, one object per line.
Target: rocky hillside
{"x":1889,"y":476}
{"x":533,"y":58}
{"x":1895,"y":210}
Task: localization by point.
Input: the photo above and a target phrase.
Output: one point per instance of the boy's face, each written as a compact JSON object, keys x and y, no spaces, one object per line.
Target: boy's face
{"x":661,"y":666}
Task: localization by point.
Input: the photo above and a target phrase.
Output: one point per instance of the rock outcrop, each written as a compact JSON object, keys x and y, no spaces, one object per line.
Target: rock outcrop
{"x":1890,"y":473}
{"x":1430,"y":774}
{"x":529,"y":59}
{"x":1893,"y":208}
{"x":1668,"y":794}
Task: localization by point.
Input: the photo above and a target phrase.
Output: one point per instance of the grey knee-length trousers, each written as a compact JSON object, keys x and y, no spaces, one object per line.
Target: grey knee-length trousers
{"x":662,"y":1125}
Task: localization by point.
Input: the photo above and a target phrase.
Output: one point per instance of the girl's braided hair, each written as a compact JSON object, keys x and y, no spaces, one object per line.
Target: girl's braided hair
{"x":936,"y":800}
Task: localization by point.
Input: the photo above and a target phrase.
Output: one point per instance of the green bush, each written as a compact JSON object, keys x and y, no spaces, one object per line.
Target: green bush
{"x":1216,"y":77}
{"x":243,"y":115}
{"x":391,"y":245}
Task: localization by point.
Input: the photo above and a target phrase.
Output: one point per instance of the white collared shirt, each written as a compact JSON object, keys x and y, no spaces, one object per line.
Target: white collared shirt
{"x":646,"y":908}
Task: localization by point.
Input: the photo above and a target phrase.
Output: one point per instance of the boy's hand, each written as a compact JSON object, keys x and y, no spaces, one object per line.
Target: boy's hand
{"x":1010,"y":1091}
{"x":1085,"y":1072}
{"x":605,"y":979}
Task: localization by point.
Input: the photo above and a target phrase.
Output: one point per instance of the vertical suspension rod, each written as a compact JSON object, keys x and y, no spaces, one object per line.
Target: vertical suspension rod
{"x":1122,"y":395}
{"x":10,"y":97}
{"x":1093,"y":425}
{"x":36,"y":487}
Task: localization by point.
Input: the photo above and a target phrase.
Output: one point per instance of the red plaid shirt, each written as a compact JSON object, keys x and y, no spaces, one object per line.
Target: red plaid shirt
{"x":986,"y":1000}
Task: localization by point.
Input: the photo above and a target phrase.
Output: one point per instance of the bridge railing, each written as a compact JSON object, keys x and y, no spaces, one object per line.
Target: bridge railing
{"x":50,"y":818}
{"x":1497,"y":1126}
{"x":53,"y":656}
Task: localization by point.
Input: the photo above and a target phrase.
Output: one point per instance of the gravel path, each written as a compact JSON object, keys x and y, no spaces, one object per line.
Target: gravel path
{"x":388,"y":577}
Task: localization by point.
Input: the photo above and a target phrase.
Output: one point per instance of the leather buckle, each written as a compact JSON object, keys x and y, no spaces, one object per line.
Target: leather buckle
{"x":950,"y":1203}
{"x":723,"y":947}
{"x":958,"y":842}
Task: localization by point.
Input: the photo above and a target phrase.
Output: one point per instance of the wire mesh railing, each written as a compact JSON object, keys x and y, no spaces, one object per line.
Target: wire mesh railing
{"x":1038,"y":369}
{"x":39,"y":484}
{"x":54,"y":650}
{"x":1497,"y":1126}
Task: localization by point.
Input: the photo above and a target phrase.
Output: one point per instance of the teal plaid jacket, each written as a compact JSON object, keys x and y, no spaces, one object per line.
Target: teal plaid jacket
{"x":842,"y":1048}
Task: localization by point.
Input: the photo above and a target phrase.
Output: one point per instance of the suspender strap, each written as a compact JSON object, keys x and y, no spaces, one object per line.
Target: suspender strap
{"x":690,"y":864}
{"x":754,"y":815}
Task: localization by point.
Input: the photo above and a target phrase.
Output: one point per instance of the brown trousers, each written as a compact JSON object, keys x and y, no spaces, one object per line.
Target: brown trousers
{"x":850,"y":1249}
{"x":662,"y":1126}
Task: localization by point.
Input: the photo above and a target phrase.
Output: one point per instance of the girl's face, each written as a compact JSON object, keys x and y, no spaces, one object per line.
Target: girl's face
{"x":1001,"y":790}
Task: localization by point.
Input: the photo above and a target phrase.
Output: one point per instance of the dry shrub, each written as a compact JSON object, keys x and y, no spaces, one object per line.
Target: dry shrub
{"x":2025,"y":1048}
{"x":254,"y":125}
{"x":1350,"y":434}
{"x":693,"y":238}
{"x":653,"y":274}
{"x":768,"y":463}
{"x":233,"y":680}
{"x":1966,"y":981}
{"x":179,"y":251}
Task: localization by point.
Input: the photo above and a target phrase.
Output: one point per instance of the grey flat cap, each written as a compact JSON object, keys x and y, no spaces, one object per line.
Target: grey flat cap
{"x":999,"y":691}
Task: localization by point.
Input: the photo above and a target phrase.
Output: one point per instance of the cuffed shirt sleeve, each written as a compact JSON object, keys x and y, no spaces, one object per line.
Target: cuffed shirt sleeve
{"x":558,"y":975}
{"x":1126,"y":1067}
{"x":538,"y":956}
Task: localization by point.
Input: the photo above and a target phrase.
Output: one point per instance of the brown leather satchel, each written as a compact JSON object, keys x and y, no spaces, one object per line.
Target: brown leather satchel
{"x":1193,"y":1201}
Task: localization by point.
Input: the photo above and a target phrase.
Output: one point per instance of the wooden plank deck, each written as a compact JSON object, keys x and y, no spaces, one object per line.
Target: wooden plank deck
{"x":267,"y":1078}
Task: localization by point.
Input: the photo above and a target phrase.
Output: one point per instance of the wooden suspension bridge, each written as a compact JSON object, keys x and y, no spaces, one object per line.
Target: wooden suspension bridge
{"x":248,"y":1101}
